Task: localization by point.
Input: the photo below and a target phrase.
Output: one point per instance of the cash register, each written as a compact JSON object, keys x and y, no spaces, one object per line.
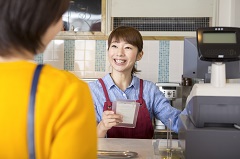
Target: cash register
{"x":211,"y":128}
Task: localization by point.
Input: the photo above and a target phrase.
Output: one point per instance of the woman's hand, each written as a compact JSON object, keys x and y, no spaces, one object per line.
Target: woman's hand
{"x":109,"y":119}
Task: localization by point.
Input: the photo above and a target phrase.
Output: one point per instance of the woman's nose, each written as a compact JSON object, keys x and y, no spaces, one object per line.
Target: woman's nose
{"x":120,"y":52}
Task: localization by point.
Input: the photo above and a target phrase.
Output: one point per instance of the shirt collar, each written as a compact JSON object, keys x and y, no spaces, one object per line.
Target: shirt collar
{"x":135,"y":82}
{"x":108,"y":81}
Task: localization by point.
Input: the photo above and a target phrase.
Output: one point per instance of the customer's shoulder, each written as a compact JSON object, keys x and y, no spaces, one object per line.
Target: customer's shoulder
{"x":53,"y":74}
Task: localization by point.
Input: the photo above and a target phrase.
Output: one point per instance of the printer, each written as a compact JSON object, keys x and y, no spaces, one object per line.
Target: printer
{"x":211,"y":128}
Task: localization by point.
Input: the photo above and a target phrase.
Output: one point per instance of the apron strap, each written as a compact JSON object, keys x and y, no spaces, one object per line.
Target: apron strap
{"x":140,"y":97}
{"x":31,"y":108}
{"x":108,"y":103}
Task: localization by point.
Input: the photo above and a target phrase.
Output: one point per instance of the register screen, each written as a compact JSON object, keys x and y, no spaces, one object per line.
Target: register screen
{"x":217,"y":38}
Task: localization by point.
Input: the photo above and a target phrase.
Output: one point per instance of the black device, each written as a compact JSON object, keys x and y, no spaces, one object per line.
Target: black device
{"x":218,"y":44}
{"x":211,"y":128}
{"x":194,"y":67}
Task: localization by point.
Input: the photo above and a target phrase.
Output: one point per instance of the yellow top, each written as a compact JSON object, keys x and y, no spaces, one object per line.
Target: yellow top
{"x":65,"y":123}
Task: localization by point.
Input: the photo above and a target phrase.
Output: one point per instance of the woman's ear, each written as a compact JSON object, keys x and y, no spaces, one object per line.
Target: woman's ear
{"x":139,"y":56}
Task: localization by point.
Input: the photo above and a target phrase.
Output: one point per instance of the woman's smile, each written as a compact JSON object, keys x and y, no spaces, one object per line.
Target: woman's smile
{"x":118,"y":61}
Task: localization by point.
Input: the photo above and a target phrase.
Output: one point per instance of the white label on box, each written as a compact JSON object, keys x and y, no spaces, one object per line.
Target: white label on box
{"x":127,"y":110}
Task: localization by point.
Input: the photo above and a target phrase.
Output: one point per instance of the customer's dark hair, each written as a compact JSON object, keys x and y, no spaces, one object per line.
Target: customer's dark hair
{"x":130,"y":35}
{"x":24,"y":22}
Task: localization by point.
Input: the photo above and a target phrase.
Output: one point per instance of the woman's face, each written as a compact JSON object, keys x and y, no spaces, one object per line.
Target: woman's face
{"x":122,"y":56}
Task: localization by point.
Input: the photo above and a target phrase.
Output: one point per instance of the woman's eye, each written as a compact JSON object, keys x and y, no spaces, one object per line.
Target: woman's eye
{"x":128,"y":48}
{"x":114,"y":46}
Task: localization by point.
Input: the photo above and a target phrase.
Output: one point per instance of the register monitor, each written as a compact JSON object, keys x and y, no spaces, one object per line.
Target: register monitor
{"x":215,"y":103}
{"x":211,"y":128}
{"x":196,"y":68}
{"x":218,"y":44}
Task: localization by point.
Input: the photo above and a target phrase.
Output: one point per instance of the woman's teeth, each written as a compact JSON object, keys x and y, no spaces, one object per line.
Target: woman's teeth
{"x":119,"y":61}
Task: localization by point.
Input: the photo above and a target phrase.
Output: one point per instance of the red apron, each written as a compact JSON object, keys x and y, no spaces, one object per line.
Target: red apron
{"x":144,"y":127}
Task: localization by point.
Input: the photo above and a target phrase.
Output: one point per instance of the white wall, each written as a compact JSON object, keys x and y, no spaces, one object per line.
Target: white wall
{"x":237,"y":13}
{"x":229,"y":12}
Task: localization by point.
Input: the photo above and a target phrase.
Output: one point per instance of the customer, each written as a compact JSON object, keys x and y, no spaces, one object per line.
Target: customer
{"x":125,"y":46}
{"x":65,"y":125}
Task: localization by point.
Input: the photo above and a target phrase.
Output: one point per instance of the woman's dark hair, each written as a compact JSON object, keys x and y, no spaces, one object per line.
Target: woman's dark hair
{"x":24,"y":22}
{"x":130,"y":35}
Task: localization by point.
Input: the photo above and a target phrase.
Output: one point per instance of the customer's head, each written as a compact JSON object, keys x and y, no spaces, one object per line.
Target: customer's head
{"x":25,"y":24}
{"x":129,"y":35}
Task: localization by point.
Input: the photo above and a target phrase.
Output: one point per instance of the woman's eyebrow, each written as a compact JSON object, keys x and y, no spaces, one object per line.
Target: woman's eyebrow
{"x":115,"y":41}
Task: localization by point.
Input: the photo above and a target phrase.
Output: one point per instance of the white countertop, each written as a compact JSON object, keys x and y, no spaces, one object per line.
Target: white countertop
{"x":144,"y":147}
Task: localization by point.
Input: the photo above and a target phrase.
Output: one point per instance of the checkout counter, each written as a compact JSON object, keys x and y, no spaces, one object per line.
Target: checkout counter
{"x":136,"y":148}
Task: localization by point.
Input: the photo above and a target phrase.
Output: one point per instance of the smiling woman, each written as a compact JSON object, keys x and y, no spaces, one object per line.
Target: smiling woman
{"x":125,"y":46}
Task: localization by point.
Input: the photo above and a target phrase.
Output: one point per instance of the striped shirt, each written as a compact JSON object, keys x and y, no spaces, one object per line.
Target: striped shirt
{"x":157,"y":104}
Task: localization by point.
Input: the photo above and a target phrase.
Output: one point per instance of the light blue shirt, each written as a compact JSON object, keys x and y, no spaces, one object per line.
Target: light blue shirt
{"x":157,"y":105}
